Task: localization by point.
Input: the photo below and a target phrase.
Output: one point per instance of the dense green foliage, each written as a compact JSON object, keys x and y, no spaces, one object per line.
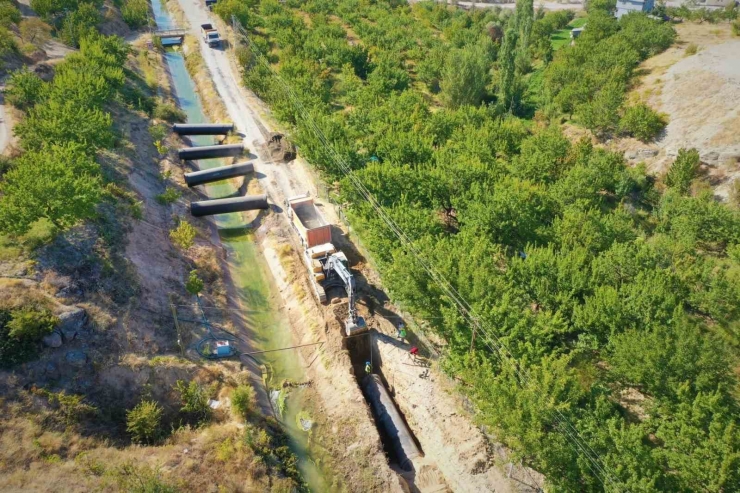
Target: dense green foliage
{"x":642,"y":122}
{"x":21,"y":331}
{"x":57,"y":178}
{"x":144,"y":422}
{"x":621,"y":302}
{"x":588,"y":80}
{"x":135,"y":13}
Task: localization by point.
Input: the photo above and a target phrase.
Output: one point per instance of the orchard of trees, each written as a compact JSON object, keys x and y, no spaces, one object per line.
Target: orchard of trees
{"x":57,"y":179}
{"x":619,"y":295}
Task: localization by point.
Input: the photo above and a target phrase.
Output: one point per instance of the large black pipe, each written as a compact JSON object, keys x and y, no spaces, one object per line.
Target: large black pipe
{"x":223,"y":206}
{"x":207,"y":152}
{"x":215,"y":174}
{"x":202,"y":128}
{"x":391,"y":422}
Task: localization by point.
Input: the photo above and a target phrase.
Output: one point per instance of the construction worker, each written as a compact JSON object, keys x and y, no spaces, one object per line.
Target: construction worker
{"x":414,"y":352}
{"x":368,"y":368}
{"x":401,"y":331}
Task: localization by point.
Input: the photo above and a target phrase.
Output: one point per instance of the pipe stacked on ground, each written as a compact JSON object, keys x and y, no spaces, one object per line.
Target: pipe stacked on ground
{"x":216,"y":174}
{"x":224,"y":206}
{"x":208,"y":152}
{"x":203,"y":128}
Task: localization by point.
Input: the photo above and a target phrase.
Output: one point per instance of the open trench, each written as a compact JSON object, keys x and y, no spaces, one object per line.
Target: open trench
{"x":270,"y":329}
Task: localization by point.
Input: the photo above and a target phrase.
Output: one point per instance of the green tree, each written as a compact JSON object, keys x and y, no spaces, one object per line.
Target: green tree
{"x":144,"y":422}
{"x":683,"y":170}
{"x":9,"y":14}
{"x":228,"y":8}
{"x":507,"y":84}
{"x":194,"y":284}
{"x":524,"y":19}
{"x":61,"y":183}
{"x":60,"y":123}
{"x":79,"y":23}
{"x":600,"y":114}
{"x":135,"y":13}
{"x":24,"y":89}
{"x":642,"y":122}
{"x":465,"y":76}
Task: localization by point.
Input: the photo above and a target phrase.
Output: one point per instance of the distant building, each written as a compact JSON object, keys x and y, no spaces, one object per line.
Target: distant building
{"x":626,"y":6}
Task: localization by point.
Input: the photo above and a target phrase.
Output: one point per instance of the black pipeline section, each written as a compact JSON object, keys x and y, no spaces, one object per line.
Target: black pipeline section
{"x":207,"y":152}
{"x":215,"y":174}
{"x":391,"y":422}
{"x":202,"y":128}
{"x":223,"y":206}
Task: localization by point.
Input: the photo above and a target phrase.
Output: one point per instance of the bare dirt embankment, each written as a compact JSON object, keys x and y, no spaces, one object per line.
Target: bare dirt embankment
{"x":700,"y":95}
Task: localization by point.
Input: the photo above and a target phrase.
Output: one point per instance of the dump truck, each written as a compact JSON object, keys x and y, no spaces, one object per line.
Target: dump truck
{"x":210,"y":35}
{"x":327,"y":267}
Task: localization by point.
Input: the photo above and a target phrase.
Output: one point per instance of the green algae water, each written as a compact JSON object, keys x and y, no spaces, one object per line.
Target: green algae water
{"x":253,"y":282}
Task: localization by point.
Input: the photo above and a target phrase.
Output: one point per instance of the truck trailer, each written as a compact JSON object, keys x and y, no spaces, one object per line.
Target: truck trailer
{"x":327,"y":267}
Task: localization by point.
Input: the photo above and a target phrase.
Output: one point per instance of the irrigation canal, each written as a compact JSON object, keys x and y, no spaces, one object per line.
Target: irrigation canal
{"x":254,"y":285}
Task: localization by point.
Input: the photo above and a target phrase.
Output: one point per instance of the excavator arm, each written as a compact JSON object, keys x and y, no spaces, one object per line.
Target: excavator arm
{"x":354,"y":323}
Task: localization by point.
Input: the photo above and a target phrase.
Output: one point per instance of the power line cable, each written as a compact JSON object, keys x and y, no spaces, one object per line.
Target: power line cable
{"x":494,"y":343}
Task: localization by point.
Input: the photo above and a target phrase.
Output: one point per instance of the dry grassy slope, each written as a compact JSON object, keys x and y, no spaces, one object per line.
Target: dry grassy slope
{"x":41,"y":452}
{"x":700,"y":94}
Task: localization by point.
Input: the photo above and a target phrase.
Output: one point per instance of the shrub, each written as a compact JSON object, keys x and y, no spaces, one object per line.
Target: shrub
{"x":135,"y":13}
{"x":683,"y":170}
{"x":71,"y":408}
{"x":194,"y":284}
{"x":691,"y":49}
{"x":736,"y":27}
{"x":194,"y":401}
{"x":21,"y":331}
{"x":183,"y":235}
{"x":242,"y":401}
{"x":24,"y":89}
{"x":169,"y":113}
{"x":143,"y":422}
{"x":35,"y":31}
{"x":9,"y":14}
{"x":169,"y":196}
{"x":31,"y":323}
{"x":642,"y":122}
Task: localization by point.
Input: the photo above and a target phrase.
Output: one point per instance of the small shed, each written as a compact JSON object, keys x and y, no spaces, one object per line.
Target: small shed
{"x":575,"y":32}
{"x":624,"y":7}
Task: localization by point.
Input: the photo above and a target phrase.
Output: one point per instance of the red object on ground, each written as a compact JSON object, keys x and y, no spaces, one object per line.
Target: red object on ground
{"x":414,"y":351}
